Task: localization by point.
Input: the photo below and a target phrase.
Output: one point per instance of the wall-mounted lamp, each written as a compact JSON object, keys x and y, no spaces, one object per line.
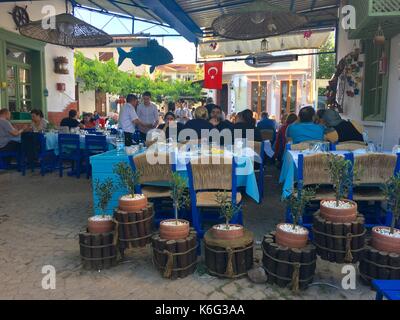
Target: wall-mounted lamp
{"x":61,"y":65}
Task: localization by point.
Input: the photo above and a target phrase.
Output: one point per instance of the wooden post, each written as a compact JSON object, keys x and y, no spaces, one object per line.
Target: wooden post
{"x":295,"y":256}
{"x":394,"y":261}
{"x":84,"y":238}
{"x":107,"y":239}
{"x":372,"y":269}
{"x":181,"y":246}
{"x":127,"y":233}
{"x":383,"y":259}
{"x":141,"y":229}
{"x":171,"y":247}
{"x":282,"y":269}
{"x":96,"y":252}
{"x":191,"y":243}
{"x":272,"y":264}
{"x":339,"y":244}
{"x":133,"y":229}
{"x":148,"y":224}
{"x":329,"y":241}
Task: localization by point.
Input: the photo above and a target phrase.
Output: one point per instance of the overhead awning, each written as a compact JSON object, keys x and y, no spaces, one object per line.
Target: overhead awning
{"x":210,"y":48}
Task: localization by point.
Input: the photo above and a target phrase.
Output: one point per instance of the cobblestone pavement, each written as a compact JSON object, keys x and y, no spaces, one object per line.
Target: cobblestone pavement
{"x":40,"y":218}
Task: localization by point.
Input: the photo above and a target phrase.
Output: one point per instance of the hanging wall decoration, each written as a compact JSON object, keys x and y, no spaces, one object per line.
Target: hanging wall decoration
{"x":346,"y":81}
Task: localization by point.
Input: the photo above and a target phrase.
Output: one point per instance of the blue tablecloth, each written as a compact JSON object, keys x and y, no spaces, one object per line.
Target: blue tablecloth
{"x":102,"y":168}
{"x":52,"y":142}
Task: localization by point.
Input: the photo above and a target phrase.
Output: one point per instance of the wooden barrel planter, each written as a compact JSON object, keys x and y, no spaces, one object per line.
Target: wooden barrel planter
{"x":175,"y":258}
{"x":288,"y":267}
{"x":379,"y":265}
{"x":134,"y":229}
{"x":339,"y":242}
{"x":98,"y":251}
{"x":228,"y":258}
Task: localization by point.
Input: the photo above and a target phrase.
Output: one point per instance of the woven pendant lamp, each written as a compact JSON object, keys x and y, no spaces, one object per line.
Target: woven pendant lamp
{"x":67,"y":31}
{"x":257,"y":21}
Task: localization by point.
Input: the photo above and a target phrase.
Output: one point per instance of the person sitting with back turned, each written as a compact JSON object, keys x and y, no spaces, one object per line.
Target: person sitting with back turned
{"x":339,"y":130}
{"x":267,"y":124}
{"x":170,"y":124}
{"x":305,"y":129}
{"x":200,"y":122}
{"x":71,"y":121}
{"x":280,"y":144}
{"x":128,"y":119}
{"x":246,"y":123}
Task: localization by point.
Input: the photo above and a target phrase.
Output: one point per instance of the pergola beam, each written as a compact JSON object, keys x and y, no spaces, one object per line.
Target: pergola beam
{"x":169,"y":11}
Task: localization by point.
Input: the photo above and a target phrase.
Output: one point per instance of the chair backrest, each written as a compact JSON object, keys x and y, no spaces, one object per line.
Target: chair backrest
{"x":314,"y":169}
{"x":350,"y":146}
{"x":212,"y":173}
{"x":68,"y":143}
{"x":267,"y":134}
{"x":374,"y":168}
{"x":96,"y":143}
{"x":153,"y":172}
{"x":33,"y":144}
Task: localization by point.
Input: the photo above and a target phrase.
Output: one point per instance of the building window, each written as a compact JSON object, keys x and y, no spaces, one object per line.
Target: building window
{"x":288,"y":96}
{"x":259,"y":94}
{"x":376,"y":82}
{"x":19,"y":93}
{"x":106,"y":56}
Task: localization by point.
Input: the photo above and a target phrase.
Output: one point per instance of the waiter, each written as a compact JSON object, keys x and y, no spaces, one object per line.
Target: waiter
{"x":147,"y":112}
{"x":128,"y":119}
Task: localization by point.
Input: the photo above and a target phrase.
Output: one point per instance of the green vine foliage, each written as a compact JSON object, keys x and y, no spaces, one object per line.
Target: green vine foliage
{"x":228,"y":209}
{"x":106,"y":77}
{"x":179,"y":192}
{"x":104,"y":192}
{"x":341,"y":174}
{"x":297,"y":203}
{"x":392,"y":194}
{"x":128,"y":178}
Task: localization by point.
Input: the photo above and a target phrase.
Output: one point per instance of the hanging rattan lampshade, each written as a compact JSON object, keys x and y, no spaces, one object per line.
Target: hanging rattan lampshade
{"x":69,"y":31}
{"x":260,"y":20}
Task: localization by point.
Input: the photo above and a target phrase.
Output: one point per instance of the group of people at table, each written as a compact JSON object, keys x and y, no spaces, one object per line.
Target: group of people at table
{"x":143,"y":116}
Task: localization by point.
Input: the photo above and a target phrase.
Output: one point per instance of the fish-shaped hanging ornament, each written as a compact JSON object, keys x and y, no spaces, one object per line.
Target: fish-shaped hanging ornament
{"x":153,"y":55}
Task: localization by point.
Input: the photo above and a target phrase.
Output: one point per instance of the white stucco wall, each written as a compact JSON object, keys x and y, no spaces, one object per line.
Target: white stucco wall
{"x":383,"y":134}
{"x":56,"y":101}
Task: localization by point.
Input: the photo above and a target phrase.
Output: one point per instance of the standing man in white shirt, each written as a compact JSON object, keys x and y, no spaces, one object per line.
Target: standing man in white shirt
{"x":182,"y":113}
{"x":147,"y":112}
{"x":128,"y":118}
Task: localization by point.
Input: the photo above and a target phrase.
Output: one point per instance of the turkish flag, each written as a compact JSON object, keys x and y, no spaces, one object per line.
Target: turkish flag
{"x":213,"y":75}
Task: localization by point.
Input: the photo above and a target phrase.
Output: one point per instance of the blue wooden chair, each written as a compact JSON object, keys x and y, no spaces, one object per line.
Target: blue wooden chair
{"x":348,"y":146}
{"x":154,"y":183}
{"x":94,"y":144}
{"x":10,"y":154}
{"x":207,"y":176}
{"x":259,"y":166}
{"x":390,"y":289}
{"x":313,"y":170}
{"x":33,"y":152}
{"x":70,"y":150}
{"x":374,"y":170}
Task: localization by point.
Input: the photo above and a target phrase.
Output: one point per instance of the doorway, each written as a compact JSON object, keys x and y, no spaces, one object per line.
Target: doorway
{"x":100,"y":102}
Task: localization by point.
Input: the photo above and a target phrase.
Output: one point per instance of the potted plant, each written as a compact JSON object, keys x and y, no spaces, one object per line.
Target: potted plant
{"x":388,"y":238}
{"x":227,"y":231}
{"x":102,"y":223}
{"x":293,"y":235}
{"x":339,"y":210}
{"x":129,"y":179}
{"x":175,"y":229}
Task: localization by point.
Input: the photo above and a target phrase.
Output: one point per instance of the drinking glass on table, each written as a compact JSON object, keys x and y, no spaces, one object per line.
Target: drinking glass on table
{"x":371,"y":147}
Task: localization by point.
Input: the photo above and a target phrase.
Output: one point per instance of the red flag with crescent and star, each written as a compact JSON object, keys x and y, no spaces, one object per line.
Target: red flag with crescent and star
{"x":213,"y":75}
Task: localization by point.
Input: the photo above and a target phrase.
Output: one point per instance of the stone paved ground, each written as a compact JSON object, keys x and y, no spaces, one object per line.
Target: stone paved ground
{"x":40,"y":218}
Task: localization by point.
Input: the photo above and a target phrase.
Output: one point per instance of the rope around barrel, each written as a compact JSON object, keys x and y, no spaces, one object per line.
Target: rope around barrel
{"x":296,"y":273}
{"x":168,"y":269}
{"x":348,"y":251}
{"x":229,"y":266}
{"x":117,"y":223}
{"x":380,"y":265}
{"x":102,"y":258}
